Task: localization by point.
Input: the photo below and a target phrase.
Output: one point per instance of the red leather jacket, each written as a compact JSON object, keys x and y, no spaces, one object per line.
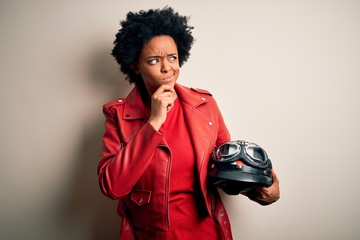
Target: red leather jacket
{"x":135,"y":163}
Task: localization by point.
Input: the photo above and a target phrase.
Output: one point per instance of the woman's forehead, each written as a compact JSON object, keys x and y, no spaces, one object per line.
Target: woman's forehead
{"x":160,"y":45}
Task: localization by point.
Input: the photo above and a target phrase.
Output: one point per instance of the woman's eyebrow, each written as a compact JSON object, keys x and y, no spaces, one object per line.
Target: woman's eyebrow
{"x":155,"y":56}
{"x":158,"y":56}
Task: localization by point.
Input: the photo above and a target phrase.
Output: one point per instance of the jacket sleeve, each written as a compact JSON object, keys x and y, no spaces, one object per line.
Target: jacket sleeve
{"x":122,"y":165}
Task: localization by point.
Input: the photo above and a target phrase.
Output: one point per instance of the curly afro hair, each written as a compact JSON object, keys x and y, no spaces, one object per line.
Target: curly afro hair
{"x":139,"y":28}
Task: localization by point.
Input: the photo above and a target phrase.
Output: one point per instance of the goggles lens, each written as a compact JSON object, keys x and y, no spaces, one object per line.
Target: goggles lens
{"x":226,"y":151}
{"x":256,"y":153}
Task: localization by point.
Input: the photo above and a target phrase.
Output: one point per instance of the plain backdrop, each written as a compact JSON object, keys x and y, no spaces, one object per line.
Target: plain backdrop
{"x":285,"y":73}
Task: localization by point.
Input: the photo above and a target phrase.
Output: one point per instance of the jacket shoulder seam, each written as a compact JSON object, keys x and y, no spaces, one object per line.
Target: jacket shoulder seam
{"x":116,"y":102}
{"x":201,"y":91}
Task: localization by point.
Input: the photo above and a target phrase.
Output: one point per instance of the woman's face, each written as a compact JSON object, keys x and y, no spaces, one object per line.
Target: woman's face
{"x":158,"y":63}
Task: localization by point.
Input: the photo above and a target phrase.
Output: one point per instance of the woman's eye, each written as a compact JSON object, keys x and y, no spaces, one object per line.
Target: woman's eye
{"x":172,"y":58}
{"x":153,"y":61}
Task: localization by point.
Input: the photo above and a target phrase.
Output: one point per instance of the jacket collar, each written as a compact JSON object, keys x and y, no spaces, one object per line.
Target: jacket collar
{"x":187,"y":96}
{"x":134,"y":107}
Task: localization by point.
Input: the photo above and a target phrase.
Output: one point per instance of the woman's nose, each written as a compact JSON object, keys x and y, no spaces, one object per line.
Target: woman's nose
{"x":165,"y":66}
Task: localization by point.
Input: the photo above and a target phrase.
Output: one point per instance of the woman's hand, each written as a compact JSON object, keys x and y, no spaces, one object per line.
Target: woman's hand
{"x":161,"y":103}
{"x":268,"y":195}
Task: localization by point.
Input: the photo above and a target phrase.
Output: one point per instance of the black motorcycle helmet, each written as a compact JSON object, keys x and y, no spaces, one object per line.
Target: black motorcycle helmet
{"x":238,"y":166}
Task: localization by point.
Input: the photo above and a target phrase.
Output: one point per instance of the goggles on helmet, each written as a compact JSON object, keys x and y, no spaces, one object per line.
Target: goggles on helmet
{"x":238,"y":166}
{"x":250,"y":153}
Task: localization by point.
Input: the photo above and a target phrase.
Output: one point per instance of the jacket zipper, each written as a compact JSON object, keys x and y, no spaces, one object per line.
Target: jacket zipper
{"x":167,"y":190}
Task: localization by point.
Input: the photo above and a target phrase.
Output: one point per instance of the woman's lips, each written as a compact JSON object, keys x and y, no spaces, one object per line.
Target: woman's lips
{"x":168,"y":78}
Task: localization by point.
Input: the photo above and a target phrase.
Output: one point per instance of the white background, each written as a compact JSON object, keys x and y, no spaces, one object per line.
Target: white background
{"x":286,"y":75}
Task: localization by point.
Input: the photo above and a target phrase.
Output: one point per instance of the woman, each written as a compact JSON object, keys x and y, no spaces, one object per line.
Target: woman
{"x":158,"y":140}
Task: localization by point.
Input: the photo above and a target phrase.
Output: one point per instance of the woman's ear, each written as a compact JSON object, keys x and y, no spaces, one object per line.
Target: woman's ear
{"x":135,"y":68}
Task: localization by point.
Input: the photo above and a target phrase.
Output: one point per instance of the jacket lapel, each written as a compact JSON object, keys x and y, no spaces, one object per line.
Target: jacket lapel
{"x":198,"y":125}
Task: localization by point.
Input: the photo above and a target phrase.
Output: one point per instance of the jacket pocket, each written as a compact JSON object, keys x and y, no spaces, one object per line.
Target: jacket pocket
{"x":140,"y":197}
{"x":146,"y":209}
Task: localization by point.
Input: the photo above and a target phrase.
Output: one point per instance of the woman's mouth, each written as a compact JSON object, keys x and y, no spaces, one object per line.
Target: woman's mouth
{"x":168,"y":78}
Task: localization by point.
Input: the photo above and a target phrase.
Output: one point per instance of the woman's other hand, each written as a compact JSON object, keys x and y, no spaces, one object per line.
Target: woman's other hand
{"x":268,"y":195}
